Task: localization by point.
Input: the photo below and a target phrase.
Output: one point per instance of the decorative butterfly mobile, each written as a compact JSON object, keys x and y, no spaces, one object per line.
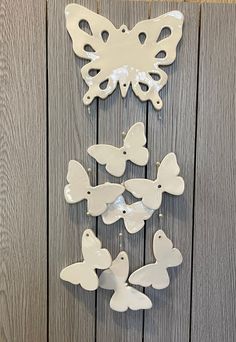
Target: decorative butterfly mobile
{"x":122,"y":56}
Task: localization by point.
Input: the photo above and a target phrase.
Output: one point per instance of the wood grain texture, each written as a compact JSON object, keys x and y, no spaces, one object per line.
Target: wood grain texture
{"x":173,"y":130}
{"x":72,"y":129}
{"x":214,"y":259}
{"x":23,"y":246}
{"x":115,"y":116}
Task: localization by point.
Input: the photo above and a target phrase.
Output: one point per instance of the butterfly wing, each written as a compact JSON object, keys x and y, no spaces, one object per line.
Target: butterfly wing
{"x":145,"y":189}
{"x":114,"y":211}
{"x":78,"y":181}
{"x":150,"y":74}
{"x":94,"y":255}
{"x":117,"y":274}
{"x":135,"y":216}
{"x":150,"y":275}
{"x":167,"y":175}
{"x":134,"y":144}
{"x":164,"y":252}
{"x":102,"y":195}
{"x":110,"y":156}
{"x":78,"y":273}
{"x":128,"y":297}
{"x":92,"y":46}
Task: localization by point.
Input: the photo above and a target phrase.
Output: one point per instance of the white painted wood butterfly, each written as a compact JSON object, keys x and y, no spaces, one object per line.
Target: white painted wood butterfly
{"x":79,"y":188}
{"x":156,"y":274}
{"x":121,"y":56}
{"x":115,"y":158}
{"x":167,"y":181}
{"x":125,"y":297}
{"x":95,"y":256}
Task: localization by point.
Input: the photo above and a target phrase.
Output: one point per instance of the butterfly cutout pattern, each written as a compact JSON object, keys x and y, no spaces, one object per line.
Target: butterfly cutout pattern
{"x":156,"y":274}
{"x":115,"y":158}
{"x":134,"y":215}
{"x":125,"y":297}
{"x":121,"y":56}
{"x":95,"y":256}
{"x":79,"y":188}
{"x":167,"y":181}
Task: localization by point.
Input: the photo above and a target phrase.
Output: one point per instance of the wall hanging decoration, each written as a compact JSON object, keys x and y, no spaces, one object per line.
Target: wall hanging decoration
{"x":124,"y":296}
{"x":167,"y":181}
{"x":128,"y":57}
{"x":134,"y":215}
{"x":107,"y":200}
{"x":156,"y":274}
{"x":95,"y":256}
{"x":115,"y":158}
{"x":79,"y":188}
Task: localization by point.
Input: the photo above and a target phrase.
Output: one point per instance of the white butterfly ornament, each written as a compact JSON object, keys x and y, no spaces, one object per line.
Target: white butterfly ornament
{"x":134,"y":215}
{"x":115,"y":158}
{"x":79,"y":188}
{"x":95,"y":256}
{"x":167,"y":181}
{"x":156,"y":274}
{"x":125,"y":296}
{"x":128,"y":57}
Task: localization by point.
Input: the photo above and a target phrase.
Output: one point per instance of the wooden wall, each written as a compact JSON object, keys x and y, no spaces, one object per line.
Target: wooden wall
{"x":44,"y":124}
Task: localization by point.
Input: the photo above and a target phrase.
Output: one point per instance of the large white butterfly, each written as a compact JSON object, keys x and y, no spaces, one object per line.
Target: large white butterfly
{"x":167,"y":181}
{"x":125,"y":296}
{"x":156,"y":274}
{"x":83,"y":273}
{"x":115,"y":158}
{"x":79,"y":188}
{"x":134,"y":215}
{"x":123,"y":56}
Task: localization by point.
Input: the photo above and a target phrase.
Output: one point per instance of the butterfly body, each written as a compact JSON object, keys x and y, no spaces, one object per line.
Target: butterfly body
{"x":134,"y":215}
{"x":167,"y":181}
{"x":79,"y":188}
{"x":120,"y":56}
{"x":83,"y":273}
{"x":124,"y":296}
{"x":156,"y":274}
{"x":115,"y":158}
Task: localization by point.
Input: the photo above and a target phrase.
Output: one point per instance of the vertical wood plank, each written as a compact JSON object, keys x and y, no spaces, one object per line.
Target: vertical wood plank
{"x":115,"y":116}
{"x":173,"y":130}
{"x":214,"y":261}
{"x":72,"y":129}
{"x":23,"y":229}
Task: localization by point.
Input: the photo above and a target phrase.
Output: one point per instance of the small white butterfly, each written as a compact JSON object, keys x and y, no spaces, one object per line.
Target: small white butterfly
{"x":83,"y":273}
{"x":134,"y":215}
{"x":79,"y":188}
{"x":125,"y":296}
{"x":124,"y":57}
{"x":167,"y":181}
{"x":115,"y":158}
{"x":156,"y":274}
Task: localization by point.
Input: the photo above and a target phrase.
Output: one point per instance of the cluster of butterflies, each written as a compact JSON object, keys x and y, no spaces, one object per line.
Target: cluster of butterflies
{"x":106,"y":199}
{"x":117,"y":271}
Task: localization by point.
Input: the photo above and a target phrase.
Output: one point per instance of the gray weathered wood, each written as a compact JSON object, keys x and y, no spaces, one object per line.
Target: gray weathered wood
{"x":23,"y":232}
{"x":173,"y":129}
{"x":72,"y":129}
{"x":115,"y":116}
{"x":214,"y":261}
